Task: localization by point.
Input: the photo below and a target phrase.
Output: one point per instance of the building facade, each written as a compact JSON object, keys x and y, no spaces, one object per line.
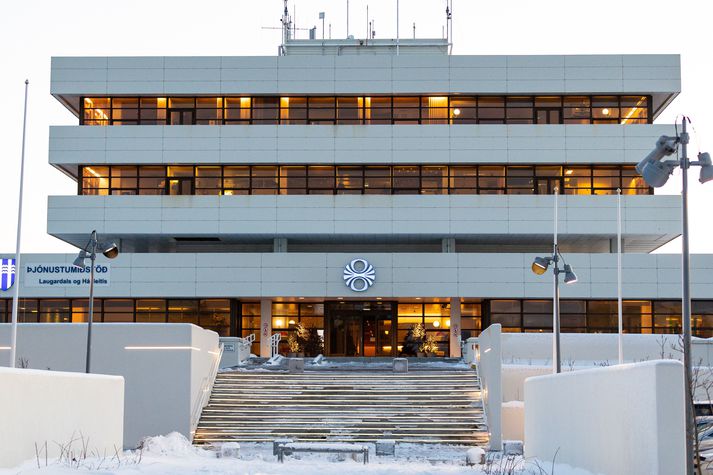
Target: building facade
{"x":361,"y":192}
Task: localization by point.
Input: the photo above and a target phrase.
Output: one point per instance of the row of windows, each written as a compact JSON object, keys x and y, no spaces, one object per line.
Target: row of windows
{"x":590,"y":316}
{"x":359,"y":179}
{"x":601,"y":316}
{"x":366,"y":110}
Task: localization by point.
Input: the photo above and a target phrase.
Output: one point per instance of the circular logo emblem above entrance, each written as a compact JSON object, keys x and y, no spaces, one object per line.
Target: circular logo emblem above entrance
{"x":359,"y":275}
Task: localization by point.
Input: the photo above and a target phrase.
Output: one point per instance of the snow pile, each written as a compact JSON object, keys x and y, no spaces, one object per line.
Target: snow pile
{"x":171,"y":445}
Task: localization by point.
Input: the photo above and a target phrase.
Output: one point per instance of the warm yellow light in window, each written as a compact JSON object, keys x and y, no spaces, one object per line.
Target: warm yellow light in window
{"x":605,"y":111}
{"x":386,"y":348}
{"x":244,"y":102}
{"x":568,"y":172}
{"x":456,"y":112}
{"x":278,"y":322}
{"x":91,"y":170}
{"x":284,"y":102}
{"x":448,"y":323}
{"x":161,"y":102}
{"x":291,"y":322}
{"x":386,"y":332}
{"x":436,"y":324}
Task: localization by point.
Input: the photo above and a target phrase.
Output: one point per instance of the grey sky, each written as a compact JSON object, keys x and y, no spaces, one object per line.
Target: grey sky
{"x":31,"y":31}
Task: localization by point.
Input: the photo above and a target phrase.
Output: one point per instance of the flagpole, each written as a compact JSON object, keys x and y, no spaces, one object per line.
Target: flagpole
{"x":16,"y":293}
{"x":618,"y":276}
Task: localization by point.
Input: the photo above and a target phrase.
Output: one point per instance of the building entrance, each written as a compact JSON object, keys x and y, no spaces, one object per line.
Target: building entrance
{"x":360,"y":328}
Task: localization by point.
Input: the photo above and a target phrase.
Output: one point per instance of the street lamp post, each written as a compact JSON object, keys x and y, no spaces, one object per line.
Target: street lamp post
{"x":110,"y":250}
{"x":539,"y":267}
{"x":656,"y":173}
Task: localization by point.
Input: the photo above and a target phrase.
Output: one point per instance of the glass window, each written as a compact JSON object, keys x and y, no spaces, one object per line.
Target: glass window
{"x":80,"y":310}
{"x":264,"y":180}
{"x":208,"y":181}
{"x":578,"y":180}
{"x":377,"y":110}
{"x":406,"y":109}
{"x":55,"y":311}
{"x":605,"y":107}
{"x":293,"y":110}
{"x":151,"y":310}
{"x":95,"y":180}
{"x":266,"y":110}
{"x":350,"y":110}
{"x":237,"y":109}
{"x":320,"y":177}
{"x":505,"y":306}
{"x":183,"y":311}
{"x":27,"y":311}
{"x":491,"y":179}
{"x":124,"y":178}
{"x":377,"y":180}
{"x":350,"y":178}
{"x":293,"y":180}
{"x":322,"y":110}
{"x":434,"y":179}
{"x":118,"y":310}
{"x":463,"y":110}
{"x":181,"y":103}
{"x":214,"y":314}
{"x":577,"y":110}
{"x":519,"y":110}
{"x":491,"y":110}
{"x":406,"y":177}
{"x":209,"y":110}
{"x":464,"y":179}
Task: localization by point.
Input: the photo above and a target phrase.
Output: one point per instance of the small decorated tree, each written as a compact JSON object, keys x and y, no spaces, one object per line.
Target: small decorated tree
{"x":429,"y":345}
{"x":314,"y":344}
{"x":413,"y":340}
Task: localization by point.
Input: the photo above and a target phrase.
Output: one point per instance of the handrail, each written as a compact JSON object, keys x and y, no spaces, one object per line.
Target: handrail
{"x":275,"y":343}
{"x":476,"y":365}
{"x":205,"y":390}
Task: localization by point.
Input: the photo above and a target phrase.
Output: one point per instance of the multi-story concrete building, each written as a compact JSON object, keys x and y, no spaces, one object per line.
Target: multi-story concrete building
{"x":358,"y":191}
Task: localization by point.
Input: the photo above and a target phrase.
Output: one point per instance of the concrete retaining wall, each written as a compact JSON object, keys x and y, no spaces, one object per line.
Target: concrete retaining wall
{"x":619,"y":419}
{"x":38,"y":407}
{"x":163,"y":365}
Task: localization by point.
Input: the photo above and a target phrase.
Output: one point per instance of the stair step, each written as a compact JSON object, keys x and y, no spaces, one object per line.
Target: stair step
{"x":430,"y":406}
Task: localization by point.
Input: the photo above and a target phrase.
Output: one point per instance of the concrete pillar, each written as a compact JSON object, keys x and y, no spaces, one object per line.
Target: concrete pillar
{"x":455,"y":328}
{"x":279,"y":245}
{"x":448,"y":245}
{"x":265,"y":327}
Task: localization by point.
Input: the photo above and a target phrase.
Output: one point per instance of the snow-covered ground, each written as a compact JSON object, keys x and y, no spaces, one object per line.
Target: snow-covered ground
{"x":174,"y":455}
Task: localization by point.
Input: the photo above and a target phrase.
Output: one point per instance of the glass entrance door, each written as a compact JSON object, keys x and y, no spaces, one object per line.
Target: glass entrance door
{"x":359,"y":328}
{"x":180,"y":117}
{"x":546,"y":186}
{"x":547,"y":116}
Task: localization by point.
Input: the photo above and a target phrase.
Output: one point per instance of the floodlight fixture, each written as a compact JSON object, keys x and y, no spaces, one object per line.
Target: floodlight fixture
{"x":540,"y":265}
{"x":665,"y":146}
{"x":569,"y":276}
{"x":109,"y":250}
{"x":704,"y":160}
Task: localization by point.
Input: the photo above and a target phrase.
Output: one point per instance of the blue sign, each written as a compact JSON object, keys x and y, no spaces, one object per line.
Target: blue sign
{"x":7,"y":273}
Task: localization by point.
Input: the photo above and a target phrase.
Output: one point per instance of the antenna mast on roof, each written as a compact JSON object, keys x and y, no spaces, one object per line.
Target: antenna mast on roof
{"x":449,"y":23}
{"x":286,"y":28}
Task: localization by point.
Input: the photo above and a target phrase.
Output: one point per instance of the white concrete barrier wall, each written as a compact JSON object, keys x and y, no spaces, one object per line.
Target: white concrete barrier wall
{"x":490,"y":372}
{"x":602,"y":348}
{"x":38,"y":407}
{"x":163,"y":366}
{"x":612,"y":420}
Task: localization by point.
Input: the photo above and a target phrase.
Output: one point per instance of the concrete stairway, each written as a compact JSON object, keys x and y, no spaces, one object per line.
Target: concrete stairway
{"x":433,"y":406}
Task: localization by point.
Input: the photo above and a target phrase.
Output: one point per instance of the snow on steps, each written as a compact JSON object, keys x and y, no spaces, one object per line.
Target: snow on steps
{"x":434,"y":406}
